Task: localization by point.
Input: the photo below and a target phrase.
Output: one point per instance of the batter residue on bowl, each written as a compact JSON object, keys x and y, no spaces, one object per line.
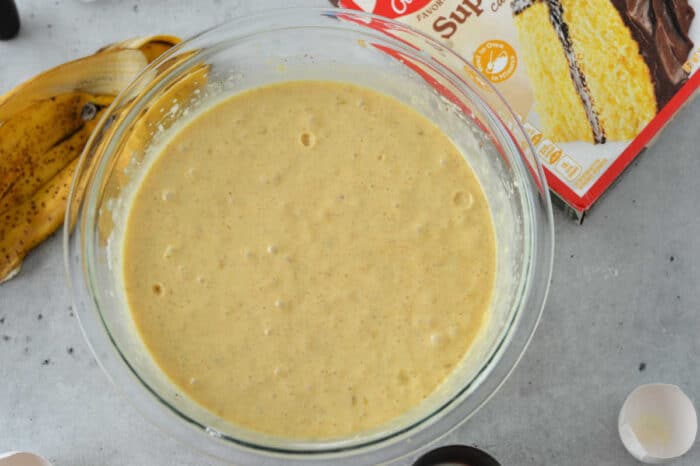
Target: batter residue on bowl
{"x":309,"y":259}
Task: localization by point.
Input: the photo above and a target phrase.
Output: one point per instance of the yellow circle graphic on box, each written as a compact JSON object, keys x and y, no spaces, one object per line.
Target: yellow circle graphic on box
{"x":496,"y":59}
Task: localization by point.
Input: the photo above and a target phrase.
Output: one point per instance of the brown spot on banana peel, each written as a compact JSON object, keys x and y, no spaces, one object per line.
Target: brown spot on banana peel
{"x":27,"y":224}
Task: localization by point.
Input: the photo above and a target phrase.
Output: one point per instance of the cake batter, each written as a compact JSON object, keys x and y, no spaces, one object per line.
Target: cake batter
{"x":309,"y":259}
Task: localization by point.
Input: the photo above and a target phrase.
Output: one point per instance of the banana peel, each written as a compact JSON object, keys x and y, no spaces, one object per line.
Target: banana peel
{"x":44,"y":126}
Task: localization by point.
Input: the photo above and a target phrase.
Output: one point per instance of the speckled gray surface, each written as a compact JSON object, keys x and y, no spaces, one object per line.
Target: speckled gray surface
{"x":624,"y":307}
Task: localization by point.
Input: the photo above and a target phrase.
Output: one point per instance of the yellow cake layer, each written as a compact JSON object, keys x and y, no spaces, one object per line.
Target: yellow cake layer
{"x":557,"y":102}
{"x":618,"y":78}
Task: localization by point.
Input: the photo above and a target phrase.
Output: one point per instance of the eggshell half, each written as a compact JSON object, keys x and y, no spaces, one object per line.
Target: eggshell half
{"x":657,"y":423}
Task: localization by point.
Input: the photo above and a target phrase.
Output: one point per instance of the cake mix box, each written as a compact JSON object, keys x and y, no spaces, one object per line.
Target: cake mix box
{"x":592,"y":80}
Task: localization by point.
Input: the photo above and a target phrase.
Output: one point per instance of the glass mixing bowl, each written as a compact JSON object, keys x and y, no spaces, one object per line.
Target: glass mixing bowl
{"x":310,"y":44}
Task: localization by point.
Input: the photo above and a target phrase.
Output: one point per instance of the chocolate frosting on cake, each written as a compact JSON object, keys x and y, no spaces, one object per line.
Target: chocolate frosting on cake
{"x":661,"y":27}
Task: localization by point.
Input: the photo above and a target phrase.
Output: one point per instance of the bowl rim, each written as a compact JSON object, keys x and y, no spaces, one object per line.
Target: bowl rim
{"x":396,"y":443}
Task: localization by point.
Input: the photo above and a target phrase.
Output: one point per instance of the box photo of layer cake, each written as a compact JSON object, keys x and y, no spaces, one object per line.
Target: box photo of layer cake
{"x":593,"y":81}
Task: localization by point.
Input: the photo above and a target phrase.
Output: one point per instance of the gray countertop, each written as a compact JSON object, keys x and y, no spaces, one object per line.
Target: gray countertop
{"x":624,"y":308}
